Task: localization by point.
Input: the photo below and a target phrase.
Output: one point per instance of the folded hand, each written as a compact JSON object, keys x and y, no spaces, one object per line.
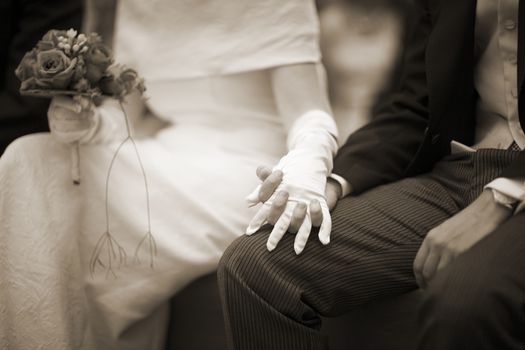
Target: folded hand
{"x":71,"y":120}
{"x":456,"y":235}
{"x":290,"y":208}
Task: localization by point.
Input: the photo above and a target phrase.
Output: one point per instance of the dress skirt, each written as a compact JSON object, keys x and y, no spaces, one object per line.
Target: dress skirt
{"x":93,"y":266}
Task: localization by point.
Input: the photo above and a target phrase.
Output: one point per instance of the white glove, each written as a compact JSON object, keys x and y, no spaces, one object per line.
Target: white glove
{"x":78,"y":120}
{"x":72,"y":120}
{"x":312,"y":144}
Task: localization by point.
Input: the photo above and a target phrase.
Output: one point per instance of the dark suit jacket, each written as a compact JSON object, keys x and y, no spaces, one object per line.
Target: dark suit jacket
{"x":434,"y":104}
{"x":22,"y":24}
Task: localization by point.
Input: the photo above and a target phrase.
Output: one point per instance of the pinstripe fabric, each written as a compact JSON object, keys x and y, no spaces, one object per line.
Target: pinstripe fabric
{"x":273,"y":300}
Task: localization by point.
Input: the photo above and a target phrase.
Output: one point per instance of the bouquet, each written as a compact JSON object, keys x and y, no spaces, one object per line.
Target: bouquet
{"x":78,"y":65}
{"x":67,"y":63}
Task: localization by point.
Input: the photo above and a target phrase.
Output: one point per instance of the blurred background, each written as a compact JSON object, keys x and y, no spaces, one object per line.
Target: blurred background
{"x":361,"y":41}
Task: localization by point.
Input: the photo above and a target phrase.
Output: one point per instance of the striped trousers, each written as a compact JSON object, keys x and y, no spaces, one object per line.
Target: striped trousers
{"x":273,"y":300}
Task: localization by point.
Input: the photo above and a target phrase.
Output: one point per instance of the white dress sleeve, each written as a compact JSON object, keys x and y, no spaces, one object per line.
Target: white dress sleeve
{"x":167,"y":39}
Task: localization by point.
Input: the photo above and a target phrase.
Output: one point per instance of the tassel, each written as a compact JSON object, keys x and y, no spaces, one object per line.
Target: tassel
{"x":148,"y":241}
{"x":107,"y":245}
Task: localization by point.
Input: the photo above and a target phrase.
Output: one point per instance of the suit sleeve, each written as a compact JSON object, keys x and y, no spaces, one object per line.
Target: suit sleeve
{"x":517,"y":169}
{"x":32,"y":19}
{"x":381,"y":151}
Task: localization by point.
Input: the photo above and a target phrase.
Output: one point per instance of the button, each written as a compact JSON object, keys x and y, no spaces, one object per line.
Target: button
{"x":509,"y":24}
{"x":513,"y":59}
{"x":514,"y":92}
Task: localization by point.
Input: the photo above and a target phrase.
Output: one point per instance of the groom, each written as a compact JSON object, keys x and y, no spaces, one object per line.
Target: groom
{"x":430,"y":195}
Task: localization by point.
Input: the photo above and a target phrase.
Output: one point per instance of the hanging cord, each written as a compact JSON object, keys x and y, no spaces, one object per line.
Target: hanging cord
{"x":148,"y":240}
{"x":114,"y":250}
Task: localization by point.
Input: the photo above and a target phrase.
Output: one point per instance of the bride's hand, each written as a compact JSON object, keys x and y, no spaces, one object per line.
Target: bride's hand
{"x":71,"y":119}
{"x":271,"y":179}
{"x":292,"y":208}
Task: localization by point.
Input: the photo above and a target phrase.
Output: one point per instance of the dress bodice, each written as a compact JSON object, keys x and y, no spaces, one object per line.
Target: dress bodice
{"x":180,"y":39}
{"x":221,"y":102}
{"x":202,"y":59}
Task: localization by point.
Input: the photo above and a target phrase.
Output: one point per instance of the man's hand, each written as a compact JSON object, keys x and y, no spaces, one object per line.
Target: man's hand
{"x":270,"y":182}
{"x":332,"y":193}
{"x":456,"y":235}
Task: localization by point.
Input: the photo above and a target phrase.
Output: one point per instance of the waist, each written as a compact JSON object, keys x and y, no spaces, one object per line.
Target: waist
{"x":246,"y":95}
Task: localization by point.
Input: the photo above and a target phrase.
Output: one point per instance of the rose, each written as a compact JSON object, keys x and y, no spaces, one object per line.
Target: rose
{"x":25,"y":69}
{"x":97,"y":58}
{"x":52,"y":70}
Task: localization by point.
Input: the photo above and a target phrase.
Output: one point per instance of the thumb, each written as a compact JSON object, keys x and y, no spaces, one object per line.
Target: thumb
{"x":332,"y":196}
{"x":326,"y":226}
{"x":253,"y":198}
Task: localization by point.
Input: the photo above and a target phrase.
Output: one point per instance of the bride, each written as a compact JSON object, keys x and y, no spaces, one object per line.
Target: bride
{"x":238,"y":84}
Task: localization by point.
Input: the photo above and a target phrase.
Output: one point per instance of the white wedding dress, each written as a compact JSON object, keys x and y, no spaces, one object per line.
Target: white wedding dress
{"x":203,"y":62}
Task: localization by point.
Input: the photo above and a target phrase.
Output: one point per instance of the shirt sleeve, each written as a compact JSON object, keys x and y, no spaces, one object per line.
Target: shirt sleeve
{"x":346,"y":188}
{"x":512,"y":188}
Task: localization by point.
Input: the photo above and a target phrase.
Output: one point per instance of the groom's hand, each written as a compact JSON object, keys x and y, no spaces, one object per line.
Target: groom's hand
{"x":456,"y":235}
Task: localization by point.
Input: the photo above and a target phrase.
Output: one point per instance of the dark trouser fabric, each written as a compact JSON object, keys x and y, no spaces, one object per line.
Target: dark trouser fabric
{"x":479,"y":301}
{"x":272,"y":300}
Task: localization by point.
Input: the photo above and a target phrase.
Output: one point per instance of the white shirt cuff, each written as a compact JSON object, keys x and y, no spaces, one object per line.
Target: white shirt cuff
{"x":346,"y":188}
{"x":514,"y":189}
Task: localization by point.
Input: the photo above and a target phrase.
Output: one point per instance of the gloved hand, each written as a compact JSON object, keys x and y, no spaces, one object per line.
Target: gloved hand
{"x":78,"y":120}
{"x":72,"y":119}
{"x":305,"y":168}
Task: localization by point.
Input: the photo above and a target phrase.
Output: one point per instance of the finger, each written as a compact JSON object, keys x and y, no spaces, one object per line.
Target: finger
{"x":263,"y":172}
{"x":253,"y":198}
{"x":258,"y":220}
{"x":316,"y":213}
{"x":419,"y":262}
{"x":302,"y":236}
{"x":269,"y":185}
{"x":278,"y":205}
{"x":278,"y":231}
{"x":430,"y":267}
{"x":326,"y":226}
{"x":332,"y":194}
{"x":445,"y":260}
{"x":298,"y":215}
